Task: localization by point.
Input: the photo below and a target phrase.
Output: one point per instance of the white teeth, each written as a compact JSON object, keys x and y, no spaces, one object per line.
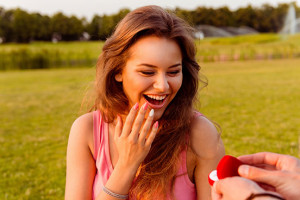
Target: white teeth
{"x":156,"y":97}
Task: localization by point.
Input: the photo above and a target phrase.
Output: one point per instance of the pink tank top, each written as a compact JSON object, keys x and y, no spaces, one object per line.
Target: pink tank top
{"x":184,"y":189}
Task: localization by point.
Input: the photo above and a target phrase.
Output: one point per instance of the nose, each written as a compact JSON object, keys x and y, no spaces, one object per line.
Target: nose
{"x":161,"y":83}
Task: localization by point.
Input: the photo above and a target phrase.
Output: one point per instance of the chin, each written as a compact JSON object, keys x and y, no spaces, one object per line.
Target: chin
{"x":158,"y":116}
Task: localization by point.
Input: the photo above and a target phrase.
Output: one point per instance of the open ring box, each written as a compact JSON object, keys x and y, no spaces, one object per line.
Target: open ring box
{"x":227,"y":167}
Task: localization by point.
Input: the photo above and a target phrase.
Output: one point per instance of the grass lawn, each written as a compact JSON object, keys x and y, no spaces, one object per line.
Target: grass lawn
{"x":37,"y":110}
{"x":249,"y":47}
{"x":245,"y":47}
{"x":255,"y":102}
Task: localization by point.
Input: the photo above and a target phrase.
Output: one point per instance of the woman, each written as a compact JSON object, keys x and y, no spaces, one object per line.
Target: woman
{"x":144,"y":141}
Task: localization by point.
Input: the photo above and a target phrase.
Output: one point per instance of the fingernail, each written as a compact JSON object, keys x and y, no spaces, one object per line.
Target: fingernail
{"x":119,"y":119}
{"x":156,"y":124}
{"x":136,"y":106}
{"x":145,"y":106}
{"x":243,"y":170}
{"x":151,"y":113}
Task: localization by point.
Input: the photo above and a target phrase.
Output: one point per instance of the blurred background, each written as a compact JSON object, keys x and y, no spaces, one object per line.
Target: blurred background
{"x":249,"y":51}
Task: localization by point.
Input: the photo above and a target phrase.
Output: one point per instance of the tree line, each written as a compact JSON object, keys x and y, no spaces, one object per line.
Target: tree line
{"x":17,"y":25}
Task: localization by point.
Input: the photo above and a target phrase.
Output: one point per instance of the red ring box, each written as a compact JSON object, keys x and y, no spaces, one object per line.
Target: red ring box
{"x":227,"y":167}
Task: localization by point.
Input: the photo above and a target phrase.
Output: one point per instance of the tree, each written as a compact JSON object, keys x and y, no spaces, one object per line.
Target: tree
{"x":41,"y":25}
{"x":224,"y":17}
{"x":22,"y":26}
{"x":1,"y":23}
{"x":94,"y":27}
{"x":247,"y":17}
{"x":19,"y":26}
{"x":120,"y":15}
{"x":75,"y":28}
{"x":185,"y":14}
{"x":108,"y":23}
{"x":280,"y":14}
{"x":68,"y":28}
{"x":204,"y":15}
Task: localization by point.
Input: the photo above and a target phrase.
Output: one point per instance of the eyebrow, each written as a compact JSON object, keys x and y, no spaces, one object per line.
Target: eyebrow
{"x":153,"y":66}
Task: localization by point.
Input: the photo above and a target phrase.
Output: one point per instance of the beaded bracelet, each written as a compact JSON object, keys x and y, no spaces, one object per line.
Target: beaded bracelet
{"x":110,"y":193}
{"x":252,"y":196}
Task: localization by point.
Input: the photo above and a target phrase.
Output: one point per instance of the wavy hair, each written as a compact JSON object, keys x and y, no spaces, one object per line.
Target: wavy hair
{"x":156,"y":175}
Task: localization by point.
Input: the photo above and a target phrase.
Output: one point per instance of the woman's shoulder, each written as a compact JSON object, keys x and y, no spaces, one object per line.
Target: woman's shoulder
{"x":204,"y":137}
{"x":82,"y":130}
{"x":84,"y":122}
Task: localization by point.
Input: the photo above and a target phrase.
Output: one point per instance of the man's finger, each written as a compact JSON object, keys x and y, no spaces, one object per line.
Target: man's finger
{"x":260,"y":158}
{"x":269,"y":177}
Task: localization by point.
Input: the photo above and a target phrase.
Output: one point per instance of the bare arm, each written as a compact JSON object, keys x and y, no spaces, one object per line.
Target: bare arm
{"x":207,"y":144}
{"x":80,"y":163}
{"x":81,"y":167}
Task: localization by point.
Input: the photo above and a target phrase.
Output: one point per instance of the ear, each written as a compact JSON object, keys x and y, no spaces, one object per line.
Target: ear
{"x":118,"y":77}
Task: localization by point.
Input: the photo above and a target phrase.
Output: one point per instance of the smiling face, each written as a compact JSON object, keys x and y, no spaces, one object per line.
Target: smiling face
{"x":153,"y":73}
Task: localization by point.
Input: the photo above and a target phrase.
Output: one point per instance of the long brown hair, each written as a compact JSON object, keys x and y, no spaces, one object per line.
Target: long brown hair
{"x":157,"y":173}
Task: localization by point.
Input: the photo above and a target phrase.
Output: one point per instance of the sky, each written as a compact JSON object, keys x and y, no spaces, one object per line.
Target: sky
{"x":88,"y":8}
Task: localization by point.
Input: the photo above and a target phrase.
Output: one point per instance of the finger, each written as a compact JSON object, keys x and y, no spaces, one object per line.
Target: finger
{"x":136,"y":128}
{"x":152,"y":134}
{"x":222,"y":185}
{"x":217,"y":188}
{"x":146,"y":127}
{"x":118,"y":128}
{"x":215,"y":195}
{"x":129,"y":120}
{"x":278,"y":161}
{"x":261,"y":158}
{"x":272,"y":178}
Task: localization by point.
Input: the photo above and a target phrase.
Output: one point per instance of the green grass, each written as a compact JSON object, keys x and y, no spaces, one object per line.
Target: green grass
{"x":246,"y":47}
{"x":249,"y":47}
{"x":48,"y":55}
{"x":37,"y":110}
{"x":255,"y":102}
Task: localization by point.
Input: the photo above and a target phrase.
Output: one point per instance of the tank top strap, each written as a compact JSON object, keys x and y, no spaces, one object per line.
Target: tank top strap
{"x":182,"y":171}
{"x":197,"y":114}
{"x":187,"y":138}
{"x":97,"y":126}
{"x":183,"y":155}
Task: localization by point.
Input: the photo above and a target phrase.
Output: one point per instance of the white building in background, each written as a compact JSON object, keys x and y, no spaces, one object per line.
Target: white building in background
{"x":85,"y":36}
{"x":203,"y":31}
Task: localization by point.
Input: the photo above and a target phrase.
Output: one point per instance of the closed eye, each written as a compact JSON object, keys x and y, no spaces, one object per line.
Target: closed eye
{"x":147,"y":73}
{"x":174,"y":72}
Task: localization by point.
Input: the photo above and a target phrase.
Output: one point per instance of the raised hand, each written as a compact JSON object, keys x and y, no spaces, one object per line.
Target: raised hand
{"x":131,"y":139}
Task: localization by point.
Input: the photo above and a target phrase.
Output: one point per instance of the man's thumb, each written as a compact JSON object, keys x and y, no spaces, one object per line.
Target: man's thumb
{"x":259,"y":175}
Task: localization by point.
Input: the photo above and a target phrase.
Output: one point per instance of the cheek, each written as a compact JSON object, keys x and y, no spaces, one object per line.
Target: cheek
{"x":135,"y":86}
{"x":176,"y":84}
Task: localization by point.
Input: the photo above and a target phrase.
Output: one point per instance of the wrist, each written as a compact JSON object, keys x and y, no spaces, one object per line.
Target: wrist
{"x":124,"y":172}
{"x":120,"y":179}
{"x":126,"y":168}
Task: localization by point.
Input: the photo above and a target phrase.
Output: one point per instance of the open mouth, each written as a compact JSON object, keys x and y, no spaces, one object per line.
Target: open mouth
{"x":155,"y":99}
